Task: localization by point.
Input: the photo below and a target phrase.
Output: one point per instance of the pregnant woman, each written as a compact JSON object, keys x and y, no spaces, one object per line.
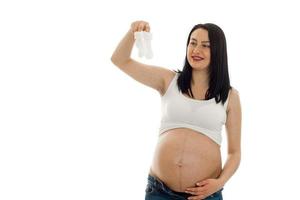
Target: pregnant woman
{"x":196,"y":103}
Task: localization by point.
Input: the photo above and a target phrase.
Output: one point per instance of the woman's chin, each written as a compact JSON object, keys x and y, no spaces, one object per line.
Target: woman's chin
{"x":200,"y":67}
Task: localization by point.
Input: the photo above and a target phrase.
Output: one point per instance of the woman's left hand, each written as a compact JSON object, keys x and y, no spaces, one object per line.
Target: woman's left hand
{"x":204,"y":188}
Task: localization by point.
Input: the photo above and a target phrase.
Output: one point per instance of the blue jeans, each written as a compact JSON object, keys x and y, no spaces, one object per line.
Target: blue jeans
{"x":157,"y":190}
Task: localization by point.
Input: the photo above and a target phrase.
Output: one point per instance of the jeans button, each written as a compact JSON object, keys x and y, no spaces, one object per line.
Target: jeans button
{"x":149,"y":189}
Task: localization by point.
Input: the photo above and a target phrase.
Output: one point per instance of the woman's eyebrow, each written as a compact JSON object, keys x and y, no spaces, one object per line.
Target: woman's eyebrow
{"x":202,"y":41}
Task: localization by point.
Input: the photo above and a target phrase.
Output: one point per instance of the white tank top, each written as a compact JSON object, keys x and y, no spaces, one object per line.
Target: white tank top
{"x":204,"y":116}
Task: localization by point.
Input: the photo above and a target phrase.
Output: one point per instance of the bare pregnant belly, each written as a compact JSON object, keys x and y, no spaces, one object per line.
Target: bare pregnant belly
{"x":183,"y":157}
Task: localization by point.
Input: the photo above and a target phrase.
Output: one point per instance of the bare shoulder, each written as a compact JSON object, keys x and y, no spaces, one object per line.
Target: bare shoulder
{"x":234,"y":99}
{"x":167,"y":76}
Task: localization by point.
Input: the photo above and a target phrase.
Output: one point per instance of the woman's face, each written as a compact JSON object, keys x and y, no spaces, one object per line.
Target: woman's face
{"x":198,"y":51}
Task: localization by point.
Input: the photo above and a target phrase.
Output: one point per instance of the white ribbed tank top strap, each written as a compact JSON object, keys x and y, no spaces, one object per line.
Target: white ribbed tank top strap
{"x":172,"y":87}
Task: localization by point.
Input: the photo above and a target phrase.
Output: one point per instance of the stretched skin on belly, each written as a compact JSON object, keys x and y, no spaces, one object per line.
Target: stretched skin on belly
{"x":181,"y":161}
{"x":183,"y":157}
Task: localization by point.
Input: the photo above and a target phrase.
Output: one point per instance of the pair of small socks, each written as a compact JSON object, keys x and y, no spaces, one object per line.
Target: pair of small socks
{"x":143,"y":43}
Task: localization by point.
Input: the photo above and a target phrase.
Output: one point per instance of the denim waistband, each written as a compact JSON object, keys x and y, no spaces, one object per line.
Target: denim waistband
{"x":160,"y":185}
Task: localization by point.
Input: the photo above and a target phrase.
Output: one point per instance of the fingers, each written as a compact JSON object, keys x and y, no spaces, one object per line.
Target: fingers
{"x":196,"y":189}
{"x":140,"y":26}
{"x":199,"y":193}
{"x":196,"y":192}
{"x":200,"y":197}
{"x":147,"y":28}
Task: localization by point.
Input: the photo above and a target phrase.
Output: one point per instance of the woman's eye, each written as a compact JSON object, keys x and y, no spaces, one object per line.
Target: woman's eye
{"x":193,"y":43}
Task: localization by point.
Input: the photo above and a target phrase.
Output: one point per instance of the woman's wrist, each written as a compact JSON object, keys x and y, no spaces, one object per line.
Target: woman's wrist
{"x":221,"y":181}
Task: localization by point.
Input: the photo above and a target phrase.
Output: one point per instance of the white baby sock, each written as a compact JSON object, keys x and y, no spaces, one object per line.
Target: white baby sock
{"x":143,"y":43}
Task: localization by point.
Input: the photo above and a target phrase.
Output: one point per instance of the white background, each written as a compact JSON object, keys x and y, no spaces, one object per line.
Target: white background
{"x":74,"y":126}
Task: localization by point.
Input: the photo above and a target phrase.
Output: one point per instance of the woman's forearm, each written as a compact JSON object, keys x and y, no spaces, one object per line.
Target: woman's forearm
{"x":124,"y":48}
{"x":231,"y":165}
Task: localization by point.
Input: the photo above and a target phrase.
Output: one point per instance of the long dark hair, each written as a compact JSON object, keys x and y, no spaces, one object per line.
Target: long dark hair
{"x":219,"y":83}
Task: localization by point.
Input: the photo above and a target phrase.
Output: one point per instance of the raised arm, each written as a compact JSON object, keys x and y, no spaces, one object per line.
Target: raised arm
{"x":149,"y":75}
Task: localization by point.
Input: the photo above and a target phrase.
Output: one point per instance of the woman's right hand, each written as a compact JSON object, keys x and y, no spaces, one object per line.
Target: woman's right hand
{"x":138,"y":26}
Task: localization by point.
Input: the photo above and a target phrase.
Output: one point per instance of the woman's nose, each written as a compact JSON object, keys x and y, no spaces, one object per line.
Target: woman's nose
{"x":197,"y":49}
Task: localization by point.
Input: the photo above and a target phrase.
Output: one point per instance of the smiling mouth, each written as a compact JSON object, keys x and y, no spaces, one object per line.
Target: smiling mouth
{"x":197,"y":59}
